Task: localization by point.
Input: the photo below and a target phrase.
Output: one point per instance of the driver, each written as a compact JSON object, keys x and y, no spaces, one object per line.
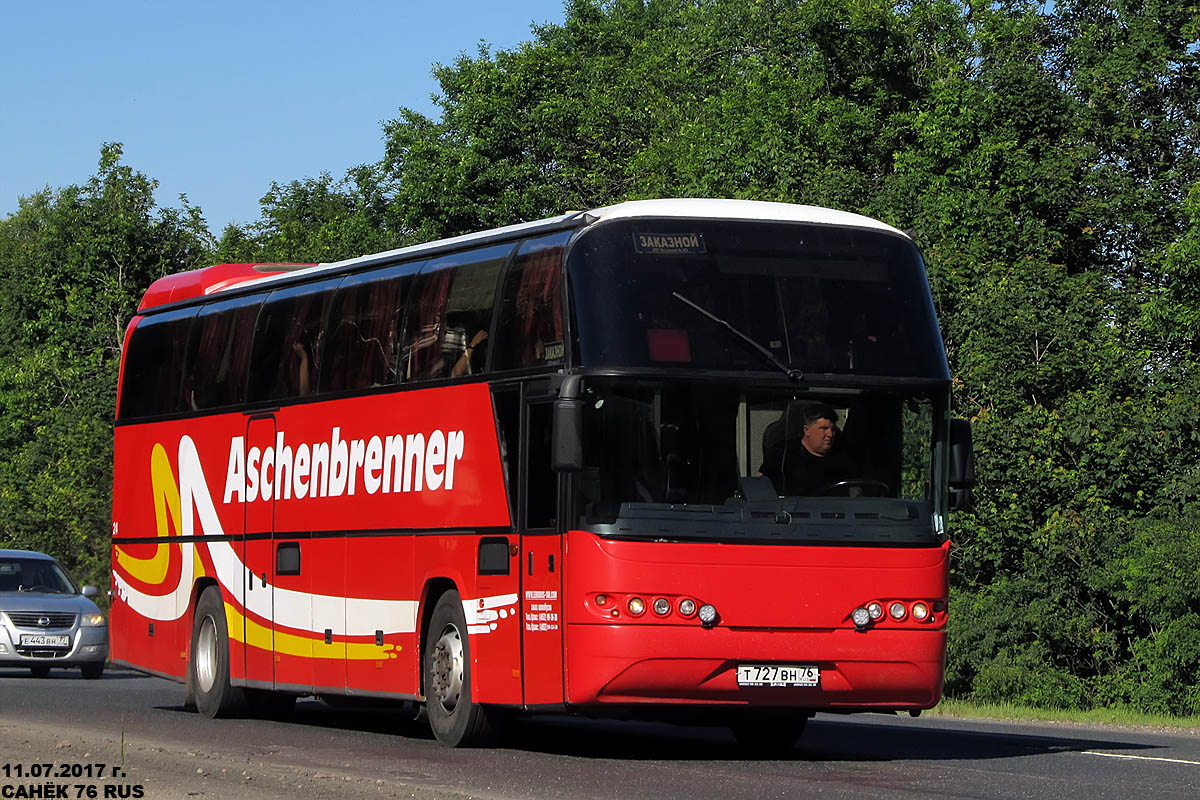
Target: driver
{"x":812,"y":463}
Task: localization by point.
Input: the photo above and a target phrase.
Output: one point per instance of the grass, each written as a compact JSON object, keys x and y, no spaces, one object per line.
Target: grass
{"x":1100,"y":716}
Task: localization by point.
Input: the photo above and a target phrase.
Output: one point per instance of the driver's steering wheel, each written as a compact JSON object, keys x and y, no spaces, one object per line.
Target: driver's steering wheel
{"x":866,"y":487}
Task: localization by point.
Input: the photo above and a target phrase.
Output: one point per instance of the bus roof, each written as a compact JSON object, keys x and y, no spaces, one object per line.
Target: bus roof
{"x":207,"y":280}
{"x":210,"y":280}
{"x":759,"y":210}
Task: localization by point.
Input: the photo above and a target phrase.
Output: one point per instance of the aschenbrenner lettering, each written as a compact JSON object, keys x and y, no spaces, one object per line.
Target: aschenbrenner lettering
{"x":402,"y":462}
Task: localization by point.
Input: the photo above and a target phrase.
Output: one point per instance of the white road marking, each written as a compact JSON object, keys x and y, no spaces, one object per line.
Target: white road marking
{"x":1142,"y":758}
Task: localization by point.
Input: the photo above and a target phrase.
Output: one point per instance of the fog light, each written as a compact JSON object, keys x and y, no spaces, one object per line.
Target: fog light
{"x":687,"y":607}
{"x":636,"y":605}
{"x":601,"y":599}
{"x":662,"y":606}
{"x":860,"y":617}
{"x":897,"y":610}
{"x":920,"y":611}
{"x":708,"y":615}
{"x":875,"y":610}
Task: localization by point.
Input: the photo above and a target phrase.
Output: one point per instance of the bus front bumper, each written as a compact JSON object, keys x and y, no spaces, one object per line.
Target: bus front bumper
{"x":669,"y":665}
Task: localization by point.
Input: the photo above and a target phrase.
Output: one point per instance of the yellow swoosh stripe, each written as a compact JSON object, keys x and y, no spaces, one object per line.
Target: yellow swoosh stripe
{"x":153,"y":571}
{"x":259,"y":636}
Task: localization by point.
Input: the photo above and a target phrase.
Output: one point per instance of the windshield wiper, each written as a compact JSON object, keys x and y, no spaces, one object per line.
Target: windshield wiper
{"x":794,"y":374}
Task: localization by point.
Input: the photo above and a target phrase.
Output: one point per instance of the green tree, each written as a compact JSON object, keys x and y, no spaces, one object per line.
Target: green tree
{"x":771,"y":99}
{"x":317,"y":220}
{"x":73,"y":266}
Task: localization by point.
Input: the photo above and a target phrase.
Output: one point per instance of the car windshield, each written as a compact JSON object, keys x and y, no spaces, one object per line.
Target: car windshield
{"x":34,"y":575}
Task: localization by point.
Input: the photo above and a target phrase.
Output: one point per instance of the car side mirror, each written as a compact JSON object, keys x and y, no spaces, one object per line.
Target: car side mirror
{"x":90,"y":591}
{"x":962,"y":464}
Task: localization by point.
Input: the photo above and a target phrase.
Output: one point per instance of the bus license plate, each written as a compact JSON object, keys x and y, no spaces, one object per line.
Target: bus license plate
{"x":778,"y":675}
{"x":44,"y":640}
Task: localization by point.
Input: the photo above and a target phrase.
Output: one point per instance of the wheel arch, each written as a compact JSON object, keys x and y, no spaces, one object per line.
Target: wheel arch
{"x":431,"y":592}
{"x":198,"y":588}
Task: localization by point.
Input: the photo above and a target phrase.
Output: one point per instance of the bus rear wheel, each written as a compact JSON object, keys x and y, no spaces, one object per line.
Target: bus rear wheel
{"x":457,"y":720}
{"x":209,"y":663}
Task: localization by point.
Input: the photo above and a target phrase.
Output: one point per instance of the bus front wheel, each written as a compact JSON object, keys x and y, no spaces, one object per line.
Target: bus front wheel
{"x":457,"y":720}
{"x":209,"y":663}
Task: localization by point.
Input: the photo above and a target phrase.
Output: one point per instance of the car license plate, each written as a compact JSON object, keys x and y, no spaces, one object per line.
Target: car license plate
{"x":44,"y":640}
{"x":778,"y":675}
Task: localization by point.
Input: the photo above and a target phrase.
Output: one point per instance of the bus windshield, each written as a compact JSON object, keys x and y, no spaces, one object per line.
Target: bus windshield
{"x":697,"y":459}
{"x":818,"y":299}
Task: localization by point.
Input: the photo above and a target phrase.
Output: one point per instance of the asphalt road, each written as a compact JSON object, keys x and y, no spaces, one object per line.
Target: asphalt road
{"x":84,"y":729}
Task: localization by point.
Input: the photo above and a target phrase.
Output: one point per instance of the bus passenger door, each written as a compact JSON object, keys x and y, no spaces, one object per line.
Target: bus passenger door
{"x":541,"y":562}
{"x":259,"y":557}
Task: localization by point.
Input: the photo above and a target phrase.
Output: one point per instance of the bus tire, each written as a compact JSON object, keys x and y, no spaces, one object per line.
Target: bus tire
{"x":208,"y":666}
{"x":457,"y":720}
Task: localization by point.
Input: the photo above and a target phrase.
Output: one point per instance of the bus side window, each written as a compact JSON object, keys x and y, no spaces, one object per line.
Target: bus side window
{"x":288,"y":342}
{"x":153,"y":379}
{"x":507,"y":402}
{"x":219,"y":353}
{"x":423,"y":327}
{"x":541,"y":482}
{"x":363,"y":332}
{"x":450,"y":314}
{"x":529,"y":331}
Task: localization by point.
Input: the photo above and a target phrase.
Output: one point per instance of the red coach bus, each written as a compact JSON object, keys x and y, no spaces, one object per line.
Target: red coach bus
{"x":665,"y":456}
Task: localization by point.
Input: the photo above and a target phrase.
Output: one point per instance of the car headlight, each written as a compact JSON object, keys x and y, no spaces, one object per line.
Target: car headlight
{"x":92,"y":620}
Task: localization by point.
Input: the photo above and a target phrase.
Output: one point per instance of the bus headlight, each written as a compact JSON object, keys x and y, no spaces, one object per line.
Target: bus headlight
{"x":637,"y":606}
{"x":860,"y":617}
{"x":920,"y":612}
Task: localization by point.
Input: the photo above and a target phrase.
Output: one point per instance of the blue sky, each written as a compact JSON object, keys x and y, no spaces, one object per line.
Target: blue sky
{"x":217,"y":99}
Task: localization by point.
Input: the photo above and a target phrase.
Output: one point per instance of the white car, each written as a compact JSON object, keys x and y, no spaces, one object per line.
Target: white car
{"x":46,"y":620}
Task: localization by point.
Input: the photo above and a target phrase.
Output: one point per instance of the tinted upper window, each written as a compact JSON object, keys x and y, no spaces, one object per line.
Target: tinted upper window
{"x":289,"y":342}
{"x":153,"y":379}
{"x":363,"y":332}
{"x":529,"y":332}
{"x":820,"y":298}
{"x":450,"y":314}
{"x":219,"y":353}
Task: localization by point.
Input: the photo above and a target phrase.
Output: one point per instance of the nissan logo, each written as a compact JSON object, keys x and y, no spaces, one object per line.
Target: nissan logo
{"x":44,"y":622}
